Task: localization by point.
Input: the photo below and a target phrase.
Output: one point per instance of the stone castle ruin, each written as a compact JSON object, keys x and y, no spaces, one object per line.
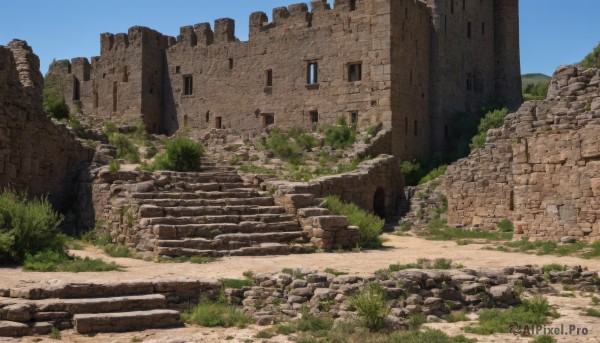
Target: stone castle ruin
{"x":406,"y":64}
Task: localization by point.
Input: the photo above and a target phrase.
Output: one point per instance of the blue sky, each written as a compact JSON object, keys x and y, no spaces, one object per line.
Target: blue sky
{"x":553,"y":32}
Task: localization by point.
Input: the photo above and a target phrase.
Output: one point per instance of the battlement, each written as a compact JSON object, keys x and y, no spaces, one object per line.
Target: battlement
{"x":135,"y":37}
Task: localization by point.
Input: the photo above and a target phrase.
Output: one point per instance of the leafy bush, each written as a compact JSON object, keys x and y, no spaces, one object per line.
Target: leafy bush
{"x":434,"y":174}
{"x":182,"y":154}
{"x":369,"y":303}
{"x":55,"y":105}
{"x":592,"y":60}
{"x":284,"y":148}
{"x":492,"y":120}
{"x":340,"y":136}
{"x":55,"y":261}
{"x":27,"y":227}
{"x":109,"y":128}
{"x":532,"y":312}
{"x":370,"y":225}
{"x":211,"y":313}
{"x":506,"y":225}
{"x":307,"y":141}
{"x":125,"y":147}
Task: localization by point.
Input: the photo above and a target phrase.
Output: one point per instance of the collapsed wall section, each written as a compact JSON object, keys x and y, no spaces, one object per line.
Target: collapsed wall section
{"x":541,"y":170}
{"x":36,"y":155}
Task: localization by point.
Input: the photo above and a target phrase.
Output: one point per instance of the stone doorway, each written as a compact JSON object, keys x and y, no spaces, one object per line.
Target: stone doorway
{"x":379,"y":206}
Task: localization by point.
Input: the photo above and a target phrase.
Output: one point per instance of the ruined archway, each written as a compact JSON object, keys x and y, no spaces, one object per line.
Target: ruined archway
{"x":379,"y":206}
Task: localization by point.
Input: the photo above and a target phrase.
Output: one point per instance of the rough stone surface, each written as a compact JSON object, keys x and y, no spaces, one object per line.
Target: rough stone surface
{"x":413,"y":54}
{"x":540,"y":170}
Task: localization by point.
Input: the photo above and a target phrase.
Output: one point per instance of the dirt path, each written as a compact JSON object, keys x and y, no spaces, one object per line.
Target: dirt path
{"x":397,"y":250}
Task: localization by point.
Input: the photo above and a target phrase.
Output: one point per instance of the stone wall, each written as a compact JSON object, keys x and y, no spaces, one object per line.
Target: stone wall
{"x":375,"y":186}
{"x":541,"y":169}
{"x":418,"y":67}
{"x":37,"y":155}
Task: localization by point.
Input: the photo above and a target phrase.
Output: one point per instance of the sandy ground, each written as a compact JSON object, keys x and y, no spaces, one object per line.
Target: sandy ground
{"x":397,"y":250}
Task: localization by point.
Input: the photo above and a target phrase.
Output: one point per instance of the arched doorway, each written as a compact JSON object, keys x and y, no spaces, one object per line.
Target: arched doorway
{"x":379,"y":206}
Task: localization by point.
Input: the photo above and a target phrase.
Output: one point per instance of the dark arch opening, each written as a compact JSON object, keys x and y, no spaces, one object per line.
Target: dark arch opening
{"x":379,"y":207}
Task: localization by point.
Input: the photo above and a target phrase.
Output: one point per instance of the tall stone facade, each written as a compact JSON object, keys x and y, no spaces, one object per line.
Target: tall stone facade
{"x":541,"y":170}
{"x":409,"y":65}
{"x":36,"y":155}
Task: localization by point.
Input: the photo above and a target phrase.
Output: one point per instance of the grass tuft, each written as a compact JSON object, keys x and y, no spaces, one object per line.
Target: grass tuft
{"x":370,"y":225}
{"x":51,"y":261}
{"x":210,"y":313}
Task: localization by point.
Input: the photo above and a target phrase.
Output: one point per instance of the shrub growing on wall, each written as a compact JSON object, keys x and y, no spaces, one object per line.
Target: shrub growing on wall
{"x":182,"y":154}
{"x":27,"y":227}
{"x":370,"y":225}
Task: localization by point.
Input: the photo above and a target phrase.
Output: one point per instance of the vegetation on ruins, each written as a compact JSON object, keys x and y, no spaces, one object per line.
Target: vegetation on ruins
{"x":212,"y":313}
{"x":370,"y":306}
{"x":579,"y":249}
{"x":27,"y":227}
{"x":533,"y":311}
{"x":492,"y":120}
{"x":592,"y":60}
{"x":182,"y":154}
{"x":370,"y":225}
{"x":54,"y":261}
{"x":339,"y":136}
{"x":125,"y":147}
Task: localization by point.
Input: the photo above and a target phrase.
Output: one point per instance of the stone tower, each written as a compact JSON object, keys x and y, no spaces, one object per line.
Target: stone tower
{"x":507,"y":53}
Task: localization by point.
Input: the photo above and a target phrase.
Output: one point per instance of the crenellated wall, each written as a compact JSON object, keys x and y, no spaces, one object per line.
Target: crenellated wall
{"x":37,"y":155}
{"x":421,"y":62}
{"x":541,"y":170}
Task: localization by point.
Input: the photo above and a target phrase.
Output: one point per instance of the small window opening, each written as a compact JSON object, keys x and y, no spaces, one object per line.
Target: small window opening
{"x":354,"y":72}
{"x":446,"y":134}
{"x":451,"y":6}
{"x":177,"y":70}
{"x":464,"y":5}
{"x":185,"y":120}
{"x":269,"y":78}
{"x":312,"y":73}
{"x":314,"y":119}
{"x":469,"y":30}
{"x":207,"y":116}
{"x":482,"y":29}
{"x":411,"y":76}
{"x":95,"y":99}
{"x":125,"y":74}
{"x":231,"y":63}
{"x":354,"y":118}
{"x":268,"y":119}
{"x":115,"y":92}
{"x":76,"y":89}
{"x":218,"y":122}
{"x":469,"y":82}
{"x":352,"y":5}
{"x":373,"y":103}
{"x":416,"y":128}
{"x":406,"y":126}
{"x":188,"y":85}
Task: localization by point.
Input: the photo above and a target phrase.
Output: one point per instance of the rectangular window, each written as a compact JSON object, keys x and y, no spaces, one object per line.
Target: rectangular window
{"x":177,"y":70}
{"x":469,"y":82}
{"x":469,"y":30}
{"x":416,"y":128}
{"x":269,"y":78}
{"x":354,"y":72}
{"x":95,"y":99}
{"x":464,"y":5}
{"x":451,"y":6}
{"x":352,"y":5}
{"x":231,"y":63}
{"x":218,"y":123}
{"x":482,"y":29}
{"x":76,"y":89}
{"x":354,"y":118}
{"x":188,"y":85}
{"x":268,"y":119}
{"x":406,"y":126}
{"x":312,"y":73}
{"x":314,"y":119}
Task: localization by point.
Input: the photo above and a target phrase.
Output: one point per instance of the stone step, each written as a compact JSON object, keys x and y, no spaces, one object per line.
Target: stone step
{"x":256,"y":201}
{"x":83,"y":290}
{"x":125,"y":321}
{"x":196,"y":211}
{"x":229,"y":219}
{"x":257,"y":250}
{"x":210,"y":231}
{"x":104,"y":305}
{"x":186,"y":195}
{"x":15,"y":329}
{"x":233,"y":241}
{"x":201,"y":177}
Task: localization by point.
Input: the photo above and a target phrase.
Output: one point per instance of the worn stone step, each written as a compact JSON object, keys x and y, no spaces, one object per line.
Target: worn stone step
{"x":201,"y":177}
{"x":125,"y":321}
{"x":232,"y":241}
{"x":216,"y":210}
{"x":14,"y":329}
{"x":83,"y":290}
{"x":104,"y":305}
{"x":188,"y":195}
{"x":210,"y":231}
{"x":228,"y":219}
{"x":188,"y":252}
{"x":256,"y":201}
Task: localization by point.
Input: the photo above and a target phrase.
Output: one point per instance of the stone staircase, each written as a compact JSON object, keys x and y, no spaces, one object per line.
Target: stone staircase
{"x":102,"y":307}
{"x":210,"y":213}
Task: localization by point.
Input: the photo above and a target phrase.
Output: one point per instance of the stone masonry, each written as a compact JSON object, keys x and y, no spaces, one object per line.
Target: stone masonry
{"x":409,"y":65}
{"x":541,"y":170}
{"x":37,"y":155}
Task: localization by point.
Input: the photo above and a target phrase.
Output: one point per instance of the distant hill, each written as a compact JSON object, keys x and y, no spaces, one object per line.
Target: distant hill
{"x":534,"y":79}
